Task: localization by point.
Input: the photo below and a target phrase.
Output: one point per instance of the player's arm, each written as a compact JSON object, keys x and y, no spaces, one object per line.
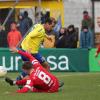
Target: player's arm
{"x":97,"y":52}
{"x":27,"y":87}
{"x":27,"y":55}
{"x":30,"y":57}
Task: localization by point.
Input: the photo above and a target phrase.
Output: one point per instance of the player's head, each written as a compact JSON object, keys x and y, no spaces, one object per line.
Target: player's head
{"x":48,"y":24}
{"x":27,"y":67}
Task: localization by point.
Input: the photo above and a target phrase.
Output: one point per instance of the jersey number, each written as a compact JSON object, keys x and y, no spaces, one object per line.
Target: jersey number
{"x":44,"y":77}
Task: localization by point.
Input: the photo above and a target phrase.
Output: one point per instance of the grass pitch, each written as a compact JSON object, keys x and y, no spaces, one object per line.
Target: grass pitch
{"x":78,"y":86}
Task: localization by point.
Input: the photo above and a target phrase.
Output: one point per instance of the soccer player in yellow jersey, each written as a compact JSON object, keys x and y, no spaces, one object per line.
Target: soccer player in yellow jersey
{"x":33,"y":41}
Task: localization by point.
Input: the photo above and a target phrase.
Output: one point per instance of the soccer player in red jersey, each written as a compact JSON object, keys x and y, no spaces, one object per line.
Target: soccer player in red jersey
{"x":39,"y":80}
{"x":98,"y":51}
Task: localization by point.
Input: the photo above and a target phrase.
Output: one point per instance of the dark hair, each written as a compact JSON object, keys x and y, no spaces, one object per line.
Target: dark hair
{"x":48,"y":20}
{"x":27,"y":65}
{"x":71,"y":26}
{"x":25,"y":13}
{"x":65,"y":31}
{"x":85,"y":12}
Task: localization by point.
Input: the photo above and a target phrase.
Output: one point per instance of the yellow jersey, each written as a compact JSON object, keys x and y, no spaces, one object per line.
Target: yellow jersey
{"x":34,"y":39}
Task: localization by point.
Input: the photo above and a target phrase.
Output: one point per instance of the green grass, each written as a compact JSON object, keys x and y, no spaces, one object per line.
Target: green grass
{"x":78,"y":86}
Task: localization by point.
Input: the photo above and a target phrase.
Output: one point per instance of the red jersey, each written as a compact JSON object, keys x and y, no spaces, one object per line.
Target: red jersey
{"x":40,"y":78}
{"x":98,"y":50}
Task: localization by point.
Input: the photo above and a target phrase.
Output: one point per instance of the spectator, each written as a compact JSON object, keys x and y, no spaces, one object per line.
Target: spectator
{"x":21,"y":24}
{"x":86,"y":38}
{"x":72,"y":37}
{"x":62,"y":41}
{"x":87,"y":21}
{"x":28,"y":19}
{"x":25,"y":23}
{"x":3,"y":37}
{"x":14,"y":36}
{"x":42,"y":18}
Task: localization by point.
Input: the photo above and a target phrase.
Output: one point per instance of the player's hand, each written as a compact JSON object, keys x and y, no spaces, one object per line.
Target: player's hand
{"x":13,"y":50}
{"x":96,"y":54}
{"x":23,"y":90}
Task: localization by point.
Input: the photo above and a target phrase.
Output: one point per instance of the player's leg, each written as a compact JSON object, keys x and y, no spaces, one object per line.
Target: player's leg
{"x":42,"y":60}
{"x":46,"y":65}
{"x":22,"y":74}
{"x":55,"y":86}
{"x":12,"y":82}
{"x":9,"y":81}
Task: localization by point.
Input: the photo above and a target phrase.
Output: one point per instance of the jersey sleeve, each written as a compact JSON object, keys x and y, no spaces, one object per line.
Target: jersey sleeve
{"x":30,"y":57}
{"x":27,"y":87}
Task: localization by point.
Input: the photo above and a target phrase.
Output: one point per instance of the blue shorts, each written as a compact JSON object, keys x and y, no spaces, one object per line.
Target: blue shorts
{"x":20,"y":77}
{"x":38,"y":56}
